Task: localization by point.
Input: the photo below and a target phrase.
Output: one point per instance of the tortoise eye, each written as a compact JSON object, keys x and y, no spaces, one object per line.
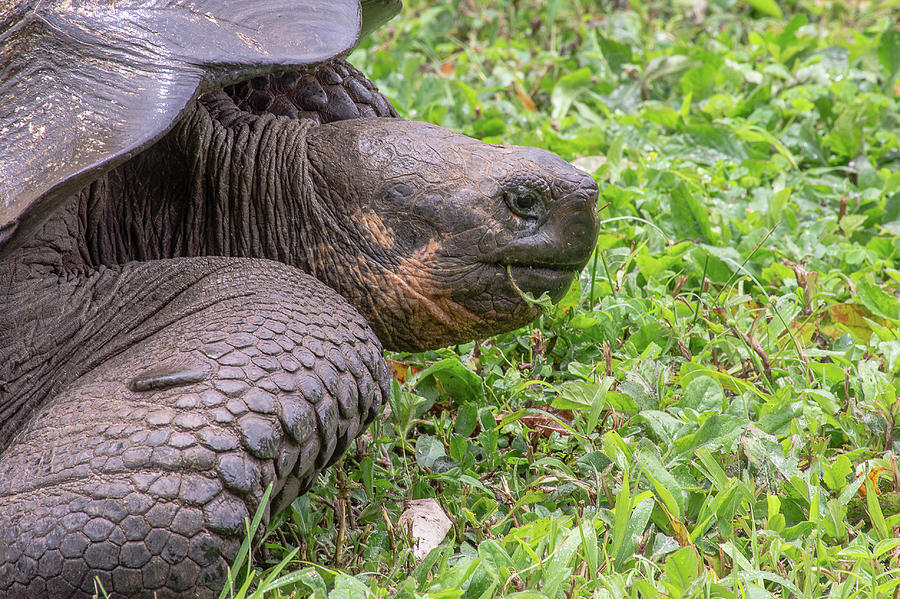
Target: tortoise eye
{"x":523,"y":202}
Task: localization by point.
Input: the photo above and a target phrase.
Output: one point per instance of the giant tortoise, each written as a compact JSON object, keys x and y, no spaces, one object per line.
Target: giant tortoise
{"x":210,"y":226}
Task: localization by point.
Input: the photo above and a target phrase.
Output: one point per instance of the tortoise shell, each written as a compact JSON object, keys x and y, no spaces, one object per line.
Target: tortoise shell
{"x":88,"y":83}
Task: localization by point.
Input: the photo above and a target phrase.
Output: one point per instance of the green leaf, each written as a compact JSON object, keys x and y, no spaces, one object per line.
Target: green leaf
{"x":689,"y":211}
{"x":621,"y":514}
{"x":778,"y":201}
{"x":458,"y":448}
{"x":699,"y":82}
{"x":347,"y":587}
{"x":636,"y":526}
{"x":572,"y":297}
{"x":615,"y":53}
{"x":835,"y":473}
{"x":702,"y":394}
{"x":872,"y":297}
{"x":589,"y":543}
{"x":719,"y":430}
{"x":466,"y":419}
{"x":889,"y":51}
{"x":576,"y":395}
{"x":428,"y":450}
{"x":489,"y":437}
{"x":875,"y":514}
{"x":495,"y":560}
{"x":769,"y":8}
{"x":567,"y":88}
{"x":682,"y":569}
{"x":891,"y":352}
{"x":884,"y":546}
{"x":559,"y":567}
{"x":714,"y":471}
{"x":457,"y":381}
{"x":664,"y":484}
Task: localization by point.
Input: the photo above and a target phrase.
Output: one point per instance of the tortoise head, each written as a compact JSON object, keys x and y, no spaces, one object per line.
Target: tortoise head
{"x":447,"y":231}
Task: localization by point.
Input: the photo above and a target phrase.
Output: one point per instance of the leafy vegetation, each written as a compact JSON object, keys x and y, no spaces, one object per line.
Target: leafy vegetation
{"x":712,"y":409}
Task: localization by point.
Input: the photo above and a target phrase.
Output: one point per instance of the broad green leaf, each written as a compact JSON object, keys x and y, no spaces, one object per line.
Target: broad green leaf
{"x":682,"y":569}
{"x":835,"y":473}
{"x":875,"y":514}
{"x":775,"y":211}
{"x":457,"y":381}
{"x":637,"y":524}
{"x":891,"y":352}
{"x":572,"y":297}
{"x":662,"y":480}
{"x":576,"y":395}
{"x":495,"y":559}
{"x":702,"y":394}
{"x":567,"y":88}
{"x":560,"y":565}
{"x":884,"y":546}
{"x":589,"y":545}
{"x":622,"y":514}
{"x":428,"y":450}
{"x":889,"y":50}
{"x":713,"y":470}
{"x":875,"y":299}
{"x":348,"y":587}
{"x":466,"y":419}
{"x":615,"y":53}
{"x":690,"y":213}
{"x":716,"y":431}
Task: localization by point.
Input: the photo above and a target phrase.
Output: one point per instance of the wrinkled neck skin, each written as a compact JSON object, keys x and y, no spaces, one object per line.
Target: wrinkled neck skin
{"x":223,"y":183}
{"x":234,"y":184}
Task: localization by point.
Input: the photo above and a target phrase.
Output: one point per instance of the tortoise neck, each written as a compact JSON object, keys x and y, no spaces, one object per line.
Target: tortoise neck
{"x":253,"y":194}
{"x":222,"y":183}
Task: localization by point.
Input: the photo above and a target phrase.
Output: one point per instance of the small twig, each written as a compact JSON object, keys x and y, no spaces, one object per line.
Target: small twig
{"x":758,"y":350}
{"x":612,"y":284}
{"x":703,"y":289}
{"x":504,"y":486}
{"x":846,"y":390}
{"x":476,"y":357}
{"x":342,"y":531}
{"x":390,"y":529}
{"x":894,"y":472}
{"x":607,"y":357}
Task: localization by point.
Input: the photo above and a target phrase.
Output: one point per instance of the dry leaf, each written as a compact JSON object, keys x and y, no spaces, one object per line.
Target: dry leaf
{"x":544,"y":423}
{"x":426,"y":523}
{"x":873,"y":475}
{"x":525,"y":98}
{"x":402,"y":371}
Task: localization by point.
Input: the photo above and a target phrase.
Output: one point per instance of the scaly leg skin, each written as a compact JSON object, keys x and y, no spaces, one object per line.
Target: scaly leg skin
{"x":142,"y":471}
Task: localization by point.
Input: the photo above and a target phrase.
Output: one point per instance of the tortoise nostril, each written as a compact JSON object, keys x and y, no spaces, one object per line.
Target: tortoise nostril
{"x":584,"y":222}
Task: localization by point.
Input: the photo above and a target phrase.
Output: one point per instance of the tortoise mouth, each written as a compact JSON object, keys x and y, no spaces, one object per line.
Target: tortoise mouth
{"x":539,"y":278}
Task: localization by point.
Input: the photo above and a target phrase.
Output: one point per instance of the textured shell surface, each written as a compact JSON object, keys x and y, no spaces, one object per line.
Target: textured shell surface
{"x":85,"y":84}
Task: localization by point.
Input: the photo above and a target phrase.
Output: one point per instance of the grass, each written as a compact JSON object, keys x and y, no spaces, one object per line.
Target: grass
{"x":711,"y":411}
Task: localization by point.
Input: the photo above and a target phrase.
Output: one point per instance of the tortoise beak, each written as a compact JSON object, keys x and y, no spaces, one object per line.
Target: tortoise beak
{"x":566,"y":235}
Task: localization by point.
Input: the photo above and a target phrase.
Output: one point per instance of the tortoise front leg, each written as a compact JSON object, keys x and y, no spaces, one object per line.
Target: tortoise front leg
{"x":141,"y":472}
